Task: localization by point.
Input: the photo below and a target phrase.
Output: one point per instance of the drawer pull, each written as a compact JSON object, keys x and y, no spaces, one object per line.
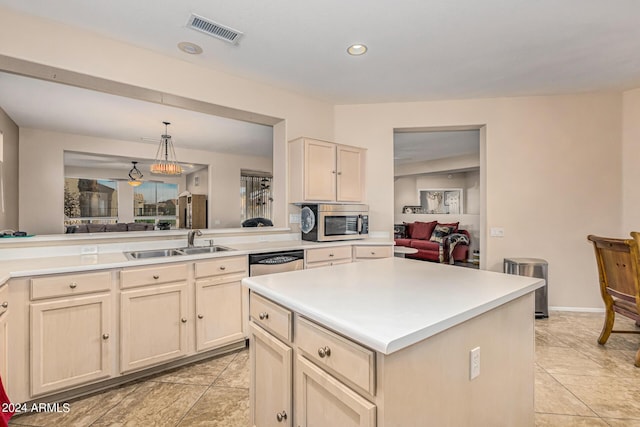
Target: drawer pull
{"x":155,"y":276}
{"x":183,"y":320}
{"x":105,"y":336}
{"x":223,"y":268}
{"x":73,"y":285}
{"x":5,"y":304}
{"x":200,"y":316}
{"x":373,"y":253}
{"x":331,"y":255}
{"x":324,"y":352}
{"x":263,"y":315}
{"x":281,"y":416}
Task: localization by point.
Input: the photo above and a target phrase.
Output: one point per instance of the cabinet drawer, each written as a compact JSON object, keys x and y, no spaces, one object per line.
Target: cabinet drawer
{"x":4,"y":298}
{"x":225,"y":265}
{"x":152,"y":275}
{"x":339,"y":355}
{"x":328,"y":254}
{"x":270,"y":316}
{"x":70,"y":284}
{"x":328,"y":263}
{"x":370,"y":252}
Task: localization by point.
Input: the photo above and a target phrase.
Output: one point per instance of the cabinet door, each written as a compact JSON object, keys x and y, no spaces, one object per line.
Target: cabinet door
{"x":70,"y":342}
{"x":218,"y":312}
{"x":153,"y":325}
{"x":319,"y":170}
{"x":350,"y":173}
{"x":271,"y":371}
{"x":4,"y":348}
{"x":322,"y":400}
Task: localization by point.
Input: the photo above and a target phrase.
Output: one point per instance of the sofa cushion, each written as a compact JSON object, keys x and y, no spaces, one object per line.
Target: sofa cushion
{"x":138,"y":226}
{"x":441,"y":231}
{"x":403,"y":242}
{"x":450,"y":224}
{"x":95,"y":228}
{"x":425,"y":245}
{"x":423,"y":230}
{"x":408,"y":229}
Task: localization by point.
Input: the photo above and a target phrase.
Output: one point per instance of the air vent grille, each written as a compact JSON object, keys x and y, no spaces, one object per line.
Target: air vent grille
{"x":214,"y":29}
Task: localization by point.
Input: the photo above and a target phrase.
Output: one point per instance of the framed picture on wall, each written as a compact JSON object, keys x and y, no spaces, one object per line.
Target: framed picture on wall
{"x":441,"y":201}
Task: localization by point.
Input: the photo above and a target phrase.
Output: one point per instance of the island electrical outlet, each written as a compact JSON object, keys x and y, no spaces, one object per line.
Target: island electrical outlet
{"x":474,"y":363}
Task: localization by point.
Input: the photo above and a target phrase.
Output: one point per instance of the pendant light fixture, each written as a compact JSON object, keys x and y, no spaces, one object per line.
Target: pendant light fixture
{"x":135,"y":176}
{"x":166,"y":162}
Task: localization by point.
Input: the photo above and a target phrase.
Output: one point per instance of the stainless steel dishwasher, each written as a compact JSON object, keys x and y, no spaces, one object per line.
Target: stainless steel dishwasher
{"x":275,"y":262}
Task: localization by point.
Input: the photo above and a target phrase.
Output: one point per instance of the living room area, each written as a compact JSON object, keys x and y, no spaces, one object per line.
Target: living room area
{"x":437,"y":195}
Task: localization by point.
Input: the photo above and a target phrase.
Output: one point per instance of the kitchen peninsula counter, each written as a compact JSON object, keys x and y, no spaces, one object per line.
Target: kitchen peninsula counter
{"x":419,"y":321}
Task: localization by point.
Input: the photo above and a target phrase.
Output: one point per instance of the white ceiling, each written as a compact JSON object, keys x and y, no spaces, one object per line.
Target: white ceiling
{"x":418,"y":49}
{"x":412,"y":147}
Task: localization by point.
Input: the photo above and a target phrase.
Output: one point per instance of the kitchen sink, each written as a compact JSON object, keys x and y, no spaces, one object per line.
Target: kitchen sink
{"x":161,"y":253}
{"x":204,"y":250}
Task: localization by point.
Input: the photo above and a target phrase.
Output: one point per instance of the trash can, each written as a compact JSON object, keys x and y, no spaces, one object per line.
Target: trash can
{"x":532,"y":267}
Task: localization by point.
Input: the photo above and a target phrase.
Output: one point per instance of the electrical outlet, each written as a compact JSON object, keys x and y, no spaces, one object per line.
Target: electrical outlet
{"x":294,"y":218}
{"x":474,"y":363}
{"x":87,"y":250}
{"x":497,"y":232}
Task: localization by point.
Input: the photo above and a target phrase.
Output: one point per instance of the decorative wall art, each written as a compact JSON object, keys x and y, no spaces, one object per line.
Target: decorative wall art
{"x":441,"y":201}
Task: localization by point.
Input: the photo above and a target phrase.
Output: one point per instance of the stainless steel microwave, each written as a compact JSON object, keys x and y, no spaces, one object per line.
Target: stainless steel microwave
{"x":328,"y":222}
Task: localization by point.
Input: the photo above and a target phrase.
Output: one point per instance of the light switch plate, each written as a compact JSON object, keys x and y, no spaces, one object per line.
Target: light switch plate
{"x":474,"y":363}
{"x":497,"y":232}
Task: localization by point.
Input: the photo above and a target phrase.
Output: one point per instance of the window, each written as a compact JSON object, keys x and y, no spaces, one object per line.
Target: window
{"x":255,"y":195}
{"x":155,"y":202}
{"x":90,"y":201}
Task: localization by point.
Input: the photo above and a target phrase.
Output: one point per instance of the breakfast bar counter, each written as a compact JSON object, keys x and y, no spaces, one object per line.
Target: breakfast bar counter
{"x":393,"y":342}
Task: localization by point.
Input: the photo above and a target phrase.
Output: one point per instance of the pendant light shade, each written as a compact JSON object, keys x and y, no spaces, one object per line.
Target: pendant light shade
{"x":135,"y":176}
{"x":166,"y":162}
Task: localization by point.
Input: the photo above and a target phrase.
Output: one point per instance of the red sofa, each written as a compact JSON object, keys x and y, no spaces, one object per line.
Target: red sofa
{"x":418,"y":235}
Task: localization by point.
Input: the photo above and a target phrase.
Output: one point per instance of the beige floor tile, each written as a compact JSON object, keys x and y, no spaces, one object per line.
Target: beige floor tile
{"x":220,"y":407}
{"x":622,"y":423}
{"x":82,"y":412}
{"x":561,"y":360}
{"x":202,"y":373}
{"x":237,"y":373}
{"x":153,"y":404}
{"x":553,"y":420}
{"x":553,"y":398}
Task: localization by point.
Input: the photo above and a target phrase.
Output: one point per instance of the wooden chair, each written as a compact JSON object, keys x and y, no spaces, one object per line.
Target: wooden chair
{"x":619,"y":272}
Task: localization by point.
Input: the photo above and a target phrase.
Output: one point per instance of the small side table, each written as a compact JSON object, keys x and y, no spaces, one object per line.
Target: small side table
{"x":401,"y":251}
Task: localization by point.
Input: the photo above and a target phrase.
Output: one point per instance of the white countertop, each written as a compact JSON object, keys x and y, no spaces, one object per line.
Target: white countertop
{"x":391,"y":303}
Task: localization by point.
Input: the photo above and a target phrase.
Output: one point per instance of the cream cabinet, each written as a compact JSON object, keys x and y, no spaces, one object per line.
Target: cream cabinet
{"x":321,"y":171}
{"x":366,"y":252}
{"x":322,"y":257}
{"x":4,"y":334}
{"x":271,"y":379}
{"x":153,"y":317}
{"x":70,"y":331}
{"x":219,"y":301}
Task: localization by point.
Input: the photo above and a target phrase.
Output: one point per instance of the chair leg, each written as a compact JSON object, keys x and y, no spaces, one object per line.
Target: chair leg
{"x":637,"y":361}
{"x":608,"y":327}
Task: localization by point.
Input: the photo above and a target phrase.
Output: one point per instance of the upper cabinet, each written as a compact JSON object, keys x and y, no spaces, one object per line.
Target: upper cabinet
{"x":321,"y":171}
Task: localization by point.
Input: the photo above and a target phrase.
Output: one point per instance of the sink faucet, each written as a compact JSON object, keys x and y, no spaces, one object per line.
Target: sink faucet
{"x":191,"y":235}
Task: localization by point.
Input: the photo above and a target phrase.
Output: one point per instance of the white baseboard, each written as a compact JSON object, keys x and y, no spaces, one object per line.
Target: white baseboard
{"x":578,"y":309}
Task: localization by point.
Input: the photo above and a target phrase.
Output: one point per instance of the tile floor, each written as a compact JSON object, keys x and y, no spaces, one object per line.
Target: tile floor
{"x":578,"y":383}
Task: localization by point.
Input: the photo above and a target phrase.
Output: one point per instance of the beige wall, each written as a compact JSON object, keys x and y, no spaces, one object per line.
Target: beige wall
{"x":43,"y":151}
{"x":8,"y":173}
{"x":630,"y":158}
{"x":553,"y":175}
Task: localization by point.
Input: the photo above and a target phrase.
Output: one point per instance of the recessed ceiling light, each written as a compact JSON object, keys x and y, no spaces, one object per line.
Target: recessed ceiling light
{"x":357,"y":49}
{"x":190,"y":48}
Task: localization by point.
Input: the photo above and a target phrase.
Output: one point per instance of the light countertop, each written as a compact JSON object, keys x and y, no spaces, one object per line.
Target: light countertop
{"x":391,"y":303}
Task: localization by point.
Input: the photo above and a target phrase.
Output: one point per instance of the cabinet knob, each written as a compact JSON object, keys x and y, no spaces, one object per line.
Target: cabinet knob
{"x":330,"y":255}
{"x":339,"y":173}
{"x":324,"y":352}
{"x":105,"y":336}
{"x":183,"y":320}
{"x":222,"y":267}
{"x":200,"y":316}
{"x":263,"y":315}
{"x":5,"y":304}
{"x":73,"y":285}
{"x":373,"y":253}
{"x":281,"y":416}
{"x":333,"y":172}
{"x":155,"y":276}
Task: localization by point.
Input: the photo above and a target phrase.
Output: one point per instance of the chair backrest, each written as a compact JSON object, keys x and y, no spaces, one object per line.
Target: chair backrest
{"x":617,"y":267}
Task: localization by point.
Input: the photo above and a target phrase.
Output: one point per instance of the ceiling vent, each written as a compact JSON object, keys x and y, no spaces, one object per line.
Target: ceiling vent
{"x":213,"y":29}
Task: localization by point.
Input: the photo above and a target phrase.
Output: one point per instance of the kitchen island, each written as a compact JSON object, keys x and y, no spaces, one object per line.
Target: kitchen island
{"x":392,"y":342}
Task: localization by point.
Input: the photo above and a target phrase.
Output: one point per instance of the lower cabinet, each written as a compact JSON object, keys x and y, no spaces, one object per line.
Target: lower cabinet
{"x":366,"y":252}
{"x":70,"y":342}
{"x":153,"y":325}
{"x":322,"y":400}
{"x":218,"y":312}
{"x":271,"y":379}
{"x":324,"y":257}
{"x":4,"y":335}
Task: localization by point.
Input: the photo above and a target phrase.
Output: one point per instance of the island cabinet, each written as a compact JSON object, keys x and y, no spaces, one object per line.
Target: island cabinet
{"x":321,"y":171}
{"x":70,"y":332}
{"x":365,"y":252}
{"x":153,"y":315}
{"x":322,"y":257}
{"x":4,"y":335}
{"x":219,"y":301}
